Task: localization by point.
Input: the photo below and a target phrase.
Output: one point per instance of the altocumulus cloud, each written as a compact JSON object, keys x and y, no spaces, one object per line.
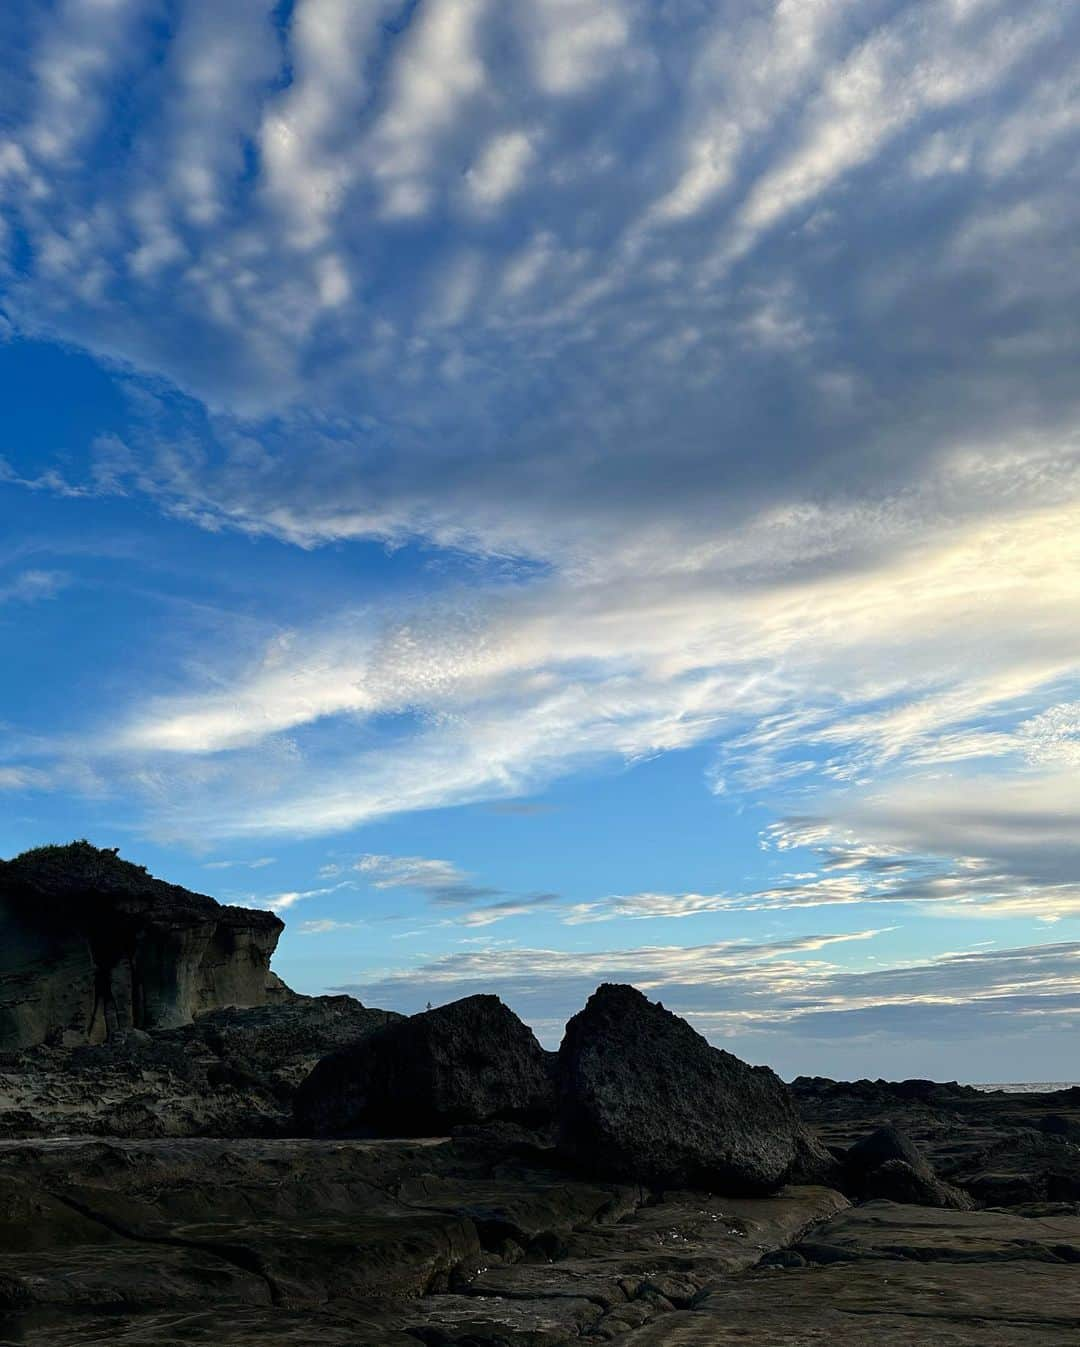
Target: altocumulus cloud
{"x":745,"y":334}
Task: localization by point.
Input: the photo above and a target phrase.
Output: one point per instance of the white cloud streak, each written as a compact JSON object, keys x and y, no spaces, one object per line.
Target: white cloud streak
{"x":747,"y":342}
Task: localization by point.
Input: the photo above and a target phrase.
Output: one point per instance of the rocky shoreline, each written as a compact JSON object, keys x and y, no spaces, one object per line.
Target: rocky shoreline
{"x":308,"y":1170}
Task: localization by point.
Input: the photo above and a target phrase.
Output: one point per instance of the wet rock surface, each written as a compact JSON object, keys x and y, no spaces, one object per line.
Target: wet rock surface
{"x":472,"y":1061}
{"x":644,"y":1096}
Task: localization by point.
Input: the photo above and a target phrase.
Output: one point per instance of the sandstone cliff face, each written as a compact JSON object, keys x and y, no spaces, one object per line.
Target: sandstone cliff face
{"x":91,"y":945}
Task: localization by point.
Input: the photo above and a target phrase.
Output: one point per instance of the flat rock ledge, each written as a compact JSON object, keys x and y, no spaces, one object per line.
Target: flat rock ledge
{"x":364,"y":1243}
{"x":257,"y":1243}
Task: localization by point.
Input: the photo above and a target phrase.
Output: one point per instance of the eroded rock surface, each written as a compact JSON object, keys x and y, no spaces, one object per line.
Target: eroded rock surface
{"x":91,"y":945}
{"x":230,"y":1073}
{"x":997,"y":1147}
{"x":905,"y":1276}
{"x":366,"y":1243}
{"x":644,"y":1097}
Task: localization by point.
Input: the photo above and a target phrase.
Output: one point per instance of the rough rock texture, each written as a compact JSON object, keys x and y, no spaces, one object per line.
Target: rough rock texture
{"x":644,"y":1097}
{"x":91,"y":945}
{"x":230,"y":1073}
{"x":995,"y":1146}
{"x":472,"y":1061}
{"x":888,"y":1164}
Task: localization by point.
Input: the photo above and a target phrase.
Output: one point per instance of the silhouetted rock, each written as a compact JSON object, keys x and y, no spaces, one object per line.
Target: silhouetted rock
{"x":853,"y":1098}
{"x":644,"y":1097}
{"x":472,"y":1061}
{"x":888,"y":1164}
{"x":897,"y":1181}
{"x":91,"y":945}
{"x":887,"y":1143}
{"x":994,"y":1145}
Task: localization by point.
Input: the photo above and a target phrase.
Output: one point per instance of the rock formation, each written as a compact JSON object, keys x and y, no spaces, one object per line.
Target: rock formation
{"x":472,"y":1061}
{"x":230,"y":1073}
{"x":91,"y":945}
{"x":888,"y":1164}
{"x":211,"y":1223}
{"x":643,"y":1097}
{"x":993,"y":1146}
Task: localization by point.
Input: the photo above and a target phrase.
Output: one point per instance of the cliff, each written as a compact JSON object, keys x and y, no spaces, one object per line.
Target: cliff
{"x":91,"y":945}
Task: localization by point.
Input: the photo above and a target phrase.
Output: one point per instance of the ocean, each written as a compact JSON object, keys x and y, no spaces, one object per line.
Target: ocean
{"x":1027,"y":1086}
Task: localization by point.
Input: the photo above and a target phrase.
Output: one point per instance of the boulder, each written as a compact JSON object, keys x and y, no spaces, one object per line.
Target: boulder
{"x":887,"y":1164}
{"x":472,"y":1061}
{"x":643,"y":1097}
{"x":885,"y":1144}
{"x":91,"y":945}
{"x":897,"y":1181}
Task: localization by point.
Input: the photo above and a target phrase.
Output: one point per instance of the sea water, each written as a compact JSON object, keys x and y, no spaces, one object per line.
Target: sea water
{"x":1028,"y":1086}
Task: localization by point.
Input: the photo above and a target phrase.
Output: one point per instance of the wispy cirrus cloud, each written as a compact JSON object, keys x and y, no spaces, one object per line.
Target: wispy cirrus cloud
{"x":445,"y":885}
{"x":746,"y":344}
{"x":32,"y":586}
{"x":800,"y":682}
{"x":439,"y":881}
{"x":260,"y":863}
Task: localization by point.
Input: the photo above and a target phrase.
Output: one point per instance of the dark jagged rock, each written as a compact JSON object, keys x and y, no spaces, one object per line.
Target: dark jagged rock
{"x":888,"y":1164}
{"x":231,"y":1073}
{"x":472,"y":1061}
{"x":887,"y":1143}
{"x":898,"y":1181}
{"x":991,"y":1144}
{"x":91,"y":945}
{"x":644,"y":1097}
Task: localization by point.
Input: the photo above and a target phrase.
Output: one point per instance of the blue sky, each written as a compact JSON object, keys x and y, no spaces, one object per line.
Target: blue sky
{"x":545,"y":492}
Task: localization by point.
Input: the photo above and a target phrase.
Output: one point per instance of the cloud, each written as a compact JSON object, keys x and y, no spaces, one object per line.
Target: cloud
{"x":772,"y":1001}
{"x":444,"y":885}
{"x":649,"y":967}
{"x":967,"y":843}
{"x":500,"y":169}
{"x":33,"y":585}
{"x":281,"y":902}
{"x":499,"y":692}
{"x":326,"y":926}
{"x":739,"y":352}
{"x":523,"y":906}
{"x":438,"y":881}
{"x":333,"y":283}
{"x":23,"y":779}
{"x":259,"y":864}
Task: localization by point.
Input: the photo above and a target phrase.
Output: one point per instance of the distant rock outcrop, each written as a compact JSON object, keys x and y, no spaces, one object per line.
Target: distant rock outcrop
{"x":472,"y":1061}
{"x":644,"y":1097}
{"x":91,"y":945}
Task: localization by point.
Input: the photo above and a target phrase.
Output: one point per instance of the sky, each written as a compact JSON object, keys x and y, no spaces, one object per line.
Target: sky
{"x":540,"y":492}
